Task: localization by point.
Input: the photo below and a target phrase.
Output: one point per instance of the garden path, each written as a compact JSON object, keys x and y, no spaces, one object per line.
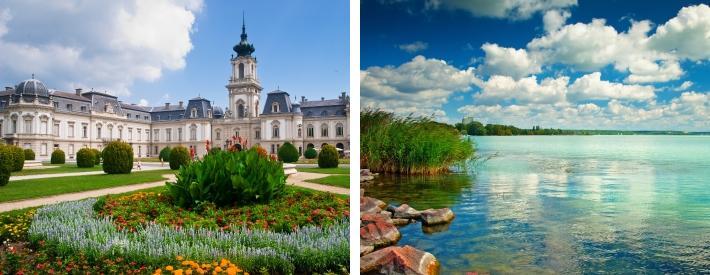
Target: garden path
{"x":144,"y":167}
{"x":299,"y":179}
{"x":9,"y":206}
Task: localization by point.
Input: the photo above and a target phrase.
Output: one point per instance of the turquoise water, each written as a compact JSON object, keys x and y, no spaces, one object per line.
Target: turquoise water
{"x":568,"y":204}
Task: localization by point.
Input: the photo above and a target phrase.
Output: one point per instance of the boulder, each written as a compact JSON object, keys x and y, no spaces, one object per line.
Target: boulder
{"x":399,"y":260}
{"x":404,"y":211}
{"x":366,"y":249}
{"x":366,"y":175}
{"x":378,"y":234}
{"x":436,"y":216}
{"x":367,"y":218}
{"x":400,"y":222}
{"x":371,"y":205}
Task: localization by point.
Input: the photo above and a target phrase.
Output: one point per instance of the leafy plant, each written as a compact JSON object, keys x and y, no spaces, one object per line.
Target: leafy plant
{"x":18,"y":161}
{"x":214,"y":150}
{"x":6,"y":163}
{"x":29,"y":154}
{"x":226,"y":178}
{"x":57,"y":157}
{"x":118,"y":158}
{"x":165,"y":154}
{"x":328,"y":157}
{"x":179,"y":156}
{"x":97,"y":156}
{"x":85,"y":158}
{"x":288,"y":152}
{"x":310,"y":153}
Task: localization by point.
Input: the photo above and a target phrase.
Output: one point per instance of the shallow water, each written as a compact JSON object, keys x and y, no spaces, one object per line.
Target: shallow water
{"x":568,"y":204}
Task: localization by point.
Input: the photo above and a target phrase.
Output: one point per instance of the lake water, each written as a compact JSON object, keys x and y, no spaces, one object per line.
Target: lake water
{"x":568,"y":204}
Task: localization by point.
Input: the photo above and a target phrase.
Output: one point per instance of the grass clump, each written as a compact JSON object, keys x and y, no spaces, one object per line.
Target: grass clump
{"x":410,"y":145}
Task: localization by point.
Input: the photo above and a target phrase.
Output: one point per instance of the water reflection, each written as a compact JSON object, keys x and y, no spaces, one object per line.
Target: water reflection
{"x":568,"y":206}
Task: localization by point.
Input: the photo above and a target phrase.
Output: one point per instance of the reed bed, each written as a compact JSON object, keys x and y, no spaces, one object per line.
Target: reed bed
{"x":410,"y":145}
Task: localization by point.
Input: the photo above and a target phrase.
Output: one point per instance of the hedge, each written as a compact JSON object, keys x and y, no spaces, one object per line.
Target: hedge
{"x":288,"y":153}
{"x":97,"y":155}
{"x":310,"y":153}
{"x":18,"y":159}
{"x":29,"y":154}
{"x":57,"y":157}
{"x":328,"y":157}
{"x":118,"y":158}
{"x":165,"y":154}
{"x":6,"y":163}
{"x":179,"y":156}
{"x":85,"y":158}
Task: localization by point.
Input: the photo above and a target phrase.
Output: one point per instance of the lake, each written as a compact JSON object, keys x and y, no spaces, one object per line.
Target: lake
{"x":568,"y":204}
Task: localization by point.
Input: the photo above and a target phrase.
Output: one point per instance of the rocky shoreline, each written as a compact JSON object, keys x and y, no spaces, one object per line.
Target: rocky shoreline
{"x":379,"y":235}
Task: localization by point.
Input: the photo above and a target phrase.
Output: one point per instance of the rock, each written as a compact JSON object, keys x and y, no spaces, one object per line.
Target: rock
{"x":378,"y":234}
{"x":399,"y":260}
{"x":436,"y":228}
{"x":367,"y":218}
{"x":371,"y":205}
{"x":366,"y":249}
{"x":404,"y":211}
{"x":436,"y":216}
{"x":400,"y":222}
{"x":386,"y":213}
{"x":366,"y":175}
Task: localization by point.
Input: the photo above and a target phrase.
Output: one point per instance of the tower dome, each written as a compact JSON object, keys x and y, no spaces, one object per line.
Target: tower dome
{"x":243,"y":48}
{"x":31,"y":87}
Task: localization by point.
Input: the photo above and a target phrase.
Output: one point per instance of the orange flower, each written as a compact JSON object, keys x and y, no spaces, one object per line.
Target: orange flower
{"x":158,"y":271}
{"x":169,"y":268}
{"x":179,"y":258}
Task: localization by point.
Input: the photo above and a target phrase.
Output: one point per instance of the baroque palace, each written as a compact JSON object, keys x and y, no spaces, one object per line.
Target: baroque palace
{"x":33,"y":116}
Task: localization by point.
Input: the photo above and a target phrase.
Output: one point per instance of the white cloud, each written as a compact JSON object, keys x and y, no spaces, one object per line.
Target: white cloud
{"x":687,"y":34}
{"x":508,"y":61}
{"x":143,"y":102}
{"x":510,"y":9}
{"x":554,"y":19}
{"x":684,"y":86}
{"x":526,"y":90}
{"x":419,"y":86}
{"x":413,"y":47}
{"x":591,"y":87}
{"x":89,"y":44}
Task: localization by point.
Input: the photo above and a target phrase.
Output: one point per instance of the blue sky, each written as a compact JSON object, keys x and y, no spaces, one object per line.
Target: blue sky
{"x":548,"y":63}
{"x":158,"y":51}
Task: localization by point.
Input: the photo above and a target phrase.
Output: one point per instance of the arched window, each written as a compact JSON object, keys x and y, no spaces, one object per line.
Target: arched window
{"x":193,"y":132}
{"x":339,"y":130}
{"x":324,"y":130}
{"x":299,"y":132}
{"x":236,"y":132}
{"x":241,"y":70}
{"x":218,"y":134}
{"x":340,"y":146}
{"x":275,"y":131}
{"x":310,"y":145}
{"x":193,"y":112}
{"x":98,"y":131}
{"x":110,"y":131}
{"x":275,"y":107}
{"x":13,"y":124}
{"x":309,"y":130}
{"x":240,"y":109}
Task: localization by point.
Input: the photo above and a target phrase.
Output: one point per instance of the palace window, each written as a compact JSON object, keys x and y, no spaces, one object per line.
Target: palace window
{"x":156,"y":134}
{"x":193,"y":112}
{"x":299,"y":132}
{"x":70,"y":107}
{"x":218,"y":134}
{"x":138,"y":132}
{"x":240,"y":109}
{"x":55,"y":128}
{"x":110,"y":131}
{"x":193,"y":132}
{"x":70,"y":130}
{"x":28,"y":125}
{"x":13,"y":128}
{"x":275,"y":107}
{"x":241,"y":70}
{"x":236,"y":132}
{"x":309,"y":131}
{"x":180,"y":134}
{"x":120,"y":132}
{"x":257,"y":133}
{"x":339,"y":130}
{"x":83,"y":109}
{"x":130,"y":133}
{"x":324,"y":130}
{"x":84,"y":131}
{"x":168,"y":134}
{"x":275,"y":131}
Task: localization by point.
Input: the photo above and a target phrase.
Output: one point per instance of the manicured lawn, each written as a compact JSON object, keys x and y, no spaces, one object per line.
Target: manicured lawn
{"x":149,"y":159}
{"x":26,"y":189}
{"x":336,"y":180}
{"x":62,"y":168}
{"x":315,"y":161}
{"x":338,"y":171}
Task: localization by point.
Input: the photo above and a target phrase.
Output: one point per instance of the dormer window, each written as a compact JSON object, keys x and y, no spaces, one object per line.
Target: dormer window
{"x":275,"y":107}
{"x":209,"y":113}
{"x":193,"y":112}
{"x":324,"y":113}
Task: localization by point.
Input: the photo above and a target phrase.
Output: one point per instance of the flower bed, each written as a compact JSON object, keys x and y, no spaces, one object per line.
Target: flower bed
{"x":294,"y":210}
{"x":13,"y":227}
{"x":72,"y":228}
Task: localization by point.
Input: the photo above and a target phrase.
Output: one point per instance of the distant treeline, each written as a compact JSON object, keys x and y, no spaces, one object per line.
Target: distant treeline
{"x":476,"y":128}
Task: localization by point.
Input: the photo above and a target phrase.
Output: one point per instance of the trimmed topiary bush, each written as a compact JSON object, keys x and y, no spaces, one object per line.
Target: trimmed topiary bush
{"x":118,"y":158}
{"x":288,"y":153}
{"x":29,"y":154}
{"x":228,"y":178}
{"x":328,"y":157}
{"x":57,"y":157}
{"x":18,"y":158}
{"x":310,"y":153}
{"x":97,"y":155}
{"x":85,"y":158}
{"x":179,"y":156}
{"x":6,"y":164}
{"x":165,"y":154}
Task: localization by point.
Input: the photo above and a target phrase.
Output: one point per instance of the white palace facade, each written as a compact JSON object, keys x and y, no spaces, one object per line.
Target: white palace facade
{"x":33,"y":116}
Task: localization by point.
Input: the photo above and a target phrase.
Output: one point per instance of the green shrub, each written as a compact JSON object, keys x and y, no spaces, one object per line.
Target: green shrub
{"x":97,"y":156}
{"x":29,"y":154}
{"x":18,"y":159}
{"x":179,"y":156}
{"x":165,"y":154}
{"x":6,"y":164}
{"x":85,"y":158}
{"x":288,"y":152}
{"x":214,"y":150}
{"x":57,"y":157}
{"x":226,"y":178}
{"x":328,"y":157}
{"x":310,"y":153}
{"x":118,"y":158}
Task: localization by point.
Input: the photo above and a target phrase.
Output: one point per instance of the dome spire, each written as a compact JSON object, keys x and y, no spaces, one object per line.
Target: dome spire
{"x":243,"y":48}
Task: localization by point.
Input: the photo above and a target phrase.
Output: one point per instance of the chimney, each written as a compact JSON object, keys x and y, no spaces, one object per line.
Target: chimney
{"x":8,"y":88}
{"x":180,"y":104}
{"x":167,"y":105}
{"x":342,"y":96}
{"x":303,"y":99}
{"x":78,"y":91}
{"x":322,"y":99}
